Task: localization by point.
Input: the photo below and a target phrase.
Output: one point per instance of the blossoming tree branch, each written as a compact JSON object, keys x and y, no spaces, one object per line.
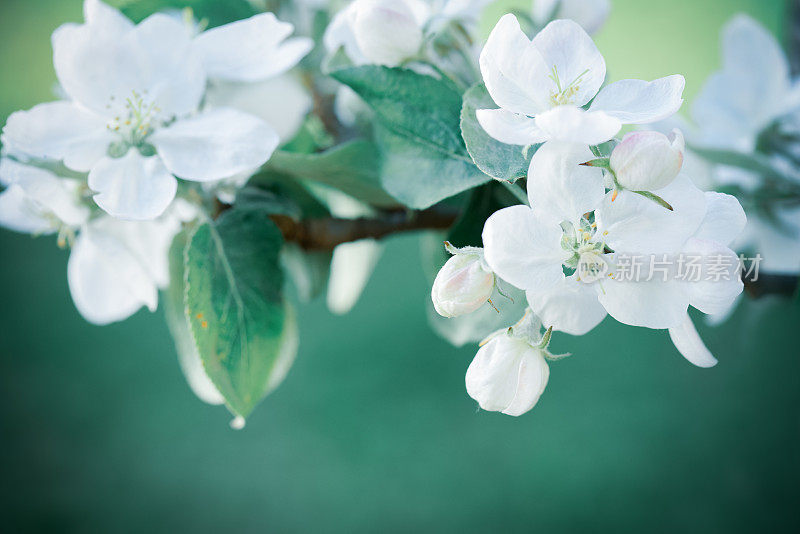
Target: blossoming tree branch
{"x":209,"y":155}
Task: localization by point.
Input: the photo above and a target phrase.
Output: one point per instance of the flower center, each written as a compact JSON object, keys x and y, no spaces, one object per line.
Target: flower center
{"x":134,"y":125}
{"x":587,"y":257}
{"x":565,"y":94}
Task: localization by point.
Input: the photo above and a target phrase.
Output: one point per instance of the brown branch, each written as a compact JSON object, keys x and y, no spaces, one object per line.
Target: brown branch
{"x":323,"y":107}
{"x":771,"y":284}
{"x":326,"y":233}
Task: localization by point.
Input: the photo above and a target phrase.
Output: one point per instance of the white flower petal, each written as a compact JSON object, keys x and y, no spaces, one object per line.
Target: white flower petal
{"x":281,"y":102}
{"x":155,"y":59}
{"x":510,"y":128}
{"x":533,"y":375}
{"x":106,"y":18}
{"x":351,"y":266}
{"x":56,"y":199}
{"x":575,"y":125}
{"x":147,"y":241}
{"x":251,"y":50}
{"x":492,"y":376}
{"x":590,"y":14}
{"x":507,"y":375}
{"x":779,"y":246}
{"x":632,"y":223}
{"x":751,"y":90}
{"x":726,"y":116}
{"x":715,"y":290}
{"x":387,"y":31}
{"x":106,"y":281}
{"x":19,"y":214}
{"x":560,"y":186}
{"x":523,"y":248}
{"x":688,"y":342}
{"x":647,"y":160}
{"x":569,"y":306}
{"x":478,"y":325}
{"x":755,"y":58}
{"x":641,"y":102}
{"x":651,"y":304}
{"x":339,"y":33}
{"x":133,"y":187}
{"x":59,"y":131}
{"x":514,"y":71}
{"x":725,"y":219}
{"x":215,"y":144}
{"x":569,"y":52}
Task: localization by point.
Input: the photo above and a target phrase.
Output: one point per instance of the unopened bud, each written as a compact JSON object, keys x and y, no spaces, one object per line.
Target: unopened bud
{"x":647,"y":160}
{"x":387,"y":32}
{"x":508,"y":374}
{"x":464,"y":284}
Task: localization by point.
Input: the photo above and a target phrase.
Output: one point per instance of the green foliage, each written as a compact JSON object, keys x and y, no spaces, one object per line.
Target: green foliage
{"x":498,"y":160}
{"x":216,"y":12}
{"x":174,"y":303}
{"x":352,"y":167}
{"x":483,"y":201}
{"x":755,"y":163}
{"x":424,"y":159}
{"x":234,"y":305}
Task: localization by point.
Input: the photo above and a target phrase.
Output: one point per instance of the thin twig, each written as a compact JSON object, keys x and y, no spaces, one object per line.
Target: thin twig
{"x":771,"y":284}
{"x":327,"y":233}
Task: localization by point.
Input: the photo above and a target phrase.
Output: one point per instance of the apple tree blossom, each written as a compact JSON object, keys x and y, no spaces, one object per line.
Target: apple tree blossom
{"x":230,"y":164}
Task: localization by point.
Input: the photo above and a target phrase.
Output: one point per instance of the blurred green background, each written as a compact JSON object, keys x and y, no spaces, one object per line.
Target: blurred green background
{"x":372,"y":429}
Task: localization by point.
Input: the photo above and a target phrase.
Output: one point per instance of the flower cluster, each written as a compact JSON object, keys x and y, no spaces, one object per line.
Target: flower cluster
{"x":214,"y":159}
{"x":745,"y":138}
{"x":101,"y":167}
{"x":586,"y":213}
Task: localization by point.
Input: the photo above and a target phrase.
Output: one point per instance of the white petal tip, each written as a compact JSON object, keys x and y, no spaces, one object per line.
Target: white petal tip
{"x":238,"y":422}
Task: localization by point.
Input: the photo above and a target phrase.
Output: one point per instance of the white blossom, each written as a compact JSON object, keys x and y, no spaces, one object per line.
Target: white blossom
{"x":383,"y":32}
{"x":37,"y":201}
{"x":647,"y":160}
{"x":352,"y":263}
{"x":590,"y":14}
{"x":542,"y":85}
{"x":509,"y":373}
{"x":133,"y":119}
{"x":530,"y":247}
{"x":390,"y":32}
{"x":116,"y":267}
{"x":753,"y":89}
{"x":463,"y":284}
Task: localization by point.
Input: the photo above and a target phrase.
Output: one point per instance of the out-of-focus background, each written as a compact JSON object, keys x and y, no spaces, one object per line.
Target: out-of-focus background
{"x":372,"y":430}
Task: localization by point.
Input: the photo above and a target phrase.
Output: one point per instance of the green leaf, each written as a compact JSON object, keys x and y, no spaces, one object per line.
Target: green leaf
{"x":419,"y":133}
{"x":215,"y":12}
{"x":256,"y":198}
{"x":498,"y":160}
{"x":750,"y":162}
{"x":235,"y":305}
{"x":352,"y":168}
{"x":420,"y":178}
{"x":175,"y":307}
